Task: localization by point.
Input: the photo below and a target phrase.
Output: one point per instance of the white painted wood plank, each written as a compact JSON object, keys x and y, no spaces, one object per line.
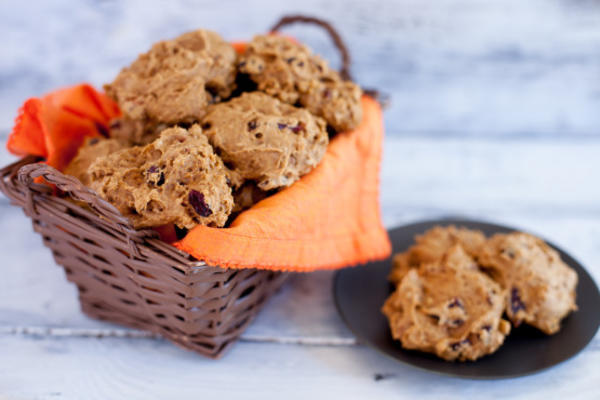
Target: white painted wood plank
{"x":502,"y":67}
{"x":534,"y":177}
{"x":53,"y":368}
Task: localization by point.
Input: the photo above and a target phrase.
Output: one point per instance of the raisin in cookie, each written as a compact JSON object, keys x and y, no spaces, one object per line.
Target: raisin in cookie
{"x":91,"y":149}
{"x":448,"y":307}
{"x":175,"y":179}
{"x":540,"y":287}
{"x":291,"y":72}
{"x":265,"y":140}
{"x":172,"y":83}
{"x":432,"y":245}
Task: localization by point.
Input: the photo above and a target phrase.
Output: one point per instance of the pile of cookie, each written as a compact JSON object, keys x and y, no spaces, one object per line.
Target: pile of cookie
{"x":206,"y":132}
{"x":454,"y":287}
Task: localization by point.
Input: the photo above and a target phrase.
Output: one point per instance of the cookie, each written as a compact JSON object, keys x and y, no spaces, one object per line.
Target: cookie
{"x":432,"y":245}
{"x":91,"y":149}
{"x":448,"y":307}
{"x":540,"y":287}
{"x":337,"y":101}
{"x":135,"y":131}
{"x":246,"y":196}
{"x":175,"y":179}
{"x":291,"y":72}
{"x":265,"y":140}
{"x":172,"y":83}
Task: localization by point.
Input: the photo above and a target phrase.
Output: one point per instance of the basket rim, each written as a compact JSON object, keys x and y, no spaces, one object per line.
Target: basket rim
{"x":18,"y":183}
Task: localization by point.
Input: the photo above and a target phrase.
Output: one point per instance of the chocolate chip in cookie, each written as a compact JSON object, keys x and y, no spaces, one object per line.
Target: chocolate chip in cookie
{"x":265,"y":140}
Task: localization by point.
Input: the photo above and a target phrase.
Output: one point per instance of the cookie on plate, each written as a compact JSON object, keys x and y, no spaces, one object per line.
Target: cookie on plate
{"x":172,"y":83}
{"x":432,"y":245}
{"x":265,"y":140}
{"x":177,"y":179}
{"x":448,"y":307}
{"x":289,"y":71}
{"x":540,"y":287}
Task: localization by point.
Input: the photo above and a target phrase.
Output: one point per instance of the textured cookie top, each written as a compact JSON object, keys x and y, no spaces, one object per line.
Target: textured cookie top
{"x":448,"y":307}
{"x":337,"y":101}
{"x":265,"y":140}
{"x":91,"y":149}
{"x":175,"y":179}
{"x":432,"y":245}
{"x":172,"y":83}
{"x":291,"y":72}
{"x":540,"y":287}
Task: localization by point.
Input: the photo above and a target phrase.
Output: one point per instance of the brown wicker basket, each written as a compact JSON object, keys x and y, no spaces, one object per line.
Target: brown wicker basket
{"x":131,"y":277}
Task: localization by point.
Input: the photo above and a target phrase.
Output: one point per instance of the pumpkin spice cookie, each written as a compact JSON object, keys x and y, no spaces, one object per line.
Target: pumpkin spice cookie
{"x":448,"y":307}
{"x":291,"y":72}
{"x":89,"y":151}
{"x":246,"y":196}
{"x":177,"y":179}
{"x":265,"y":140}
{"x":540,"y":287}
{"x":172,"y":83}
{"x":432,"y":245}
{"x":337,"y":101}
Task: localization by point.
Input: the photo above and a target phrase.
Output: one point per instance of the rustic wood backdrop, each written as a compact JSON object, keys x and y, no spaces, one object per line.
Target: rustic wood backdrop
{"x":494,"y":114}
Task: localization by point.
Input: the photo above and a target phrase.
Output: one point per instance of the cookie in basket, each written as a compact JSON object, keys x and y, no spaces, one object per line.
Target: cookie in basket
{"x":177,"y":179}
{"x":265,"y":140}
{"x":247,"y":195}
{"x":172,"y":83}
{"x":291,"y":72}
{"x":91,"y":149}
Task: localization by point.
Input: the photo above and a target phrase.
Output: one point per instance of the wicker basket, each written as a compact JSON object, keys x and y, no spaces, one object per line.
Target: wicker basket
{"x":130,"y":277}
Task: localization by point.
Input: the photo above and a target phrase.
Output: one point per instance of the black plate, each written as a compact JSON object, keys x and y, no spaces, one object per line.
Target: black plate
{"x":361,"y":291}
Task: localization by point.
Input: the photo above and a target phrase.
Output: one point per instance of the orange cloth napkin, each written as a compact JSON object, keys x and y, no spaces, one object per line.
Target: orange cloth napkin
{"x":55,"y":125}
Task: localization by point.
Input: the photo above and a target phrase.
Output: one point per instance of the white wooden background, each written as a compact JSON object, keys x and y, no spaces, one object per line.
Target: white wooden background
{"x":495,"y":114}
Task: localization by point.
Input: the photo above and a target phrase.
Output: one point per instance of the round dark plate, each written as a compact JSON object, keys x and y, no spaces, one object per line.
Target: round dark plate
{"x":361,"y":291}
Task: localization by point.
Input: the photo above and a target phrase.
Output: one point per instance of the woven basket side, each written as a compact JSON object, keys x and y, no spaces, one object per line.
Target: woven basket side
{"x":130,"y":277}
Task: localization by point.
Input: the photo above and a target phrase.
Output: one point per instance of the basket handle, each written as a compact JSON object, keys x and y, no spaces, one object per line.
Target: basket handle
{"x":335,"y":37}
{"x":77,"y":191}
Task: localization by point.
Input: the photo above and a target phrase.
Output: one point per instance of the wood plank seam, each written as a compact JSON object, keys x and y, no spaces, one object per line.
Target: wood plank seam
{"x":62,"y":332}
{"x":58,"y":332}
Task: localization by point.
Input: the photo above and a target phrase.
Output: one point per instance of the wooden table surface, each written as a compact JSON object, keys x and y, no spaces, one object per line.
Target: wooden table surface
{"x":495,"y":114}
